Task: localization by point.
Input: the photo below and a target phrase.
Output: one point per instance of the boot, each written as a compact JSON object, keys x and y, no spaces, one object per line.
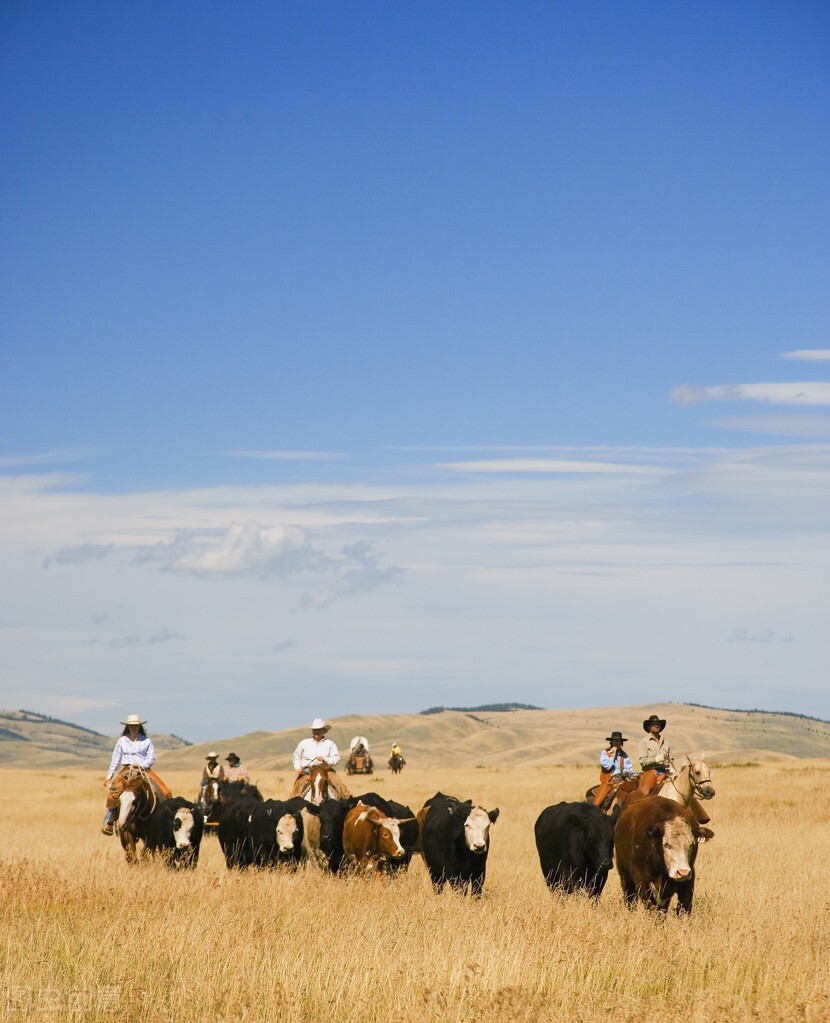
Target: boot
{"x":108,"y":825}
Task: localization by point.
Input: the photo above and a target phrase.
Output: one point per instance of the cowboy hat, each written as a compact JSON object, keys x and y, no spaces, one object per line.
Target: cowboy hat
{"x":615,"y":737}
{"x":654,"y":720}
{"x":213,"y":755}
{"x":134,"y":719}
{"x":319,"y":725}
{"x":231,"y":756}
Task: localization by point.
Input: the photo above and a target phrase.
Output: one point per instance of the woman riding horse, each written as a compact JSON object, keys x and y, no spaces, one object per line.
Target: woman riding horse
{"x":133,"y":749}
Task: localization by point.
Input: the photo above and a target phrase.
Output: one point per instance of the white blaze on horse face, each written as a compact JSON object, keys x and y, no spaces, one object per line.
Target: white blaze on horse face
{"x":477,"y":830}
{"x":699,"y":770}
{"x":182,"y":827}
{"x":678,"y":842}
{"x":125,"y":805}
{"x":286,"y":830}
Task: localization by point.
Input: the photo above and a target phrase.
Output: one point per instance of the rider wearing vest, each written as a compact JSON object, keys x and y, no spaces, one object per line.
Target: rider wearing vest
{"x":213,"y":770}
{"x":655,"y":753}
{"x":615,"y":767}
{"x":133,"y":749}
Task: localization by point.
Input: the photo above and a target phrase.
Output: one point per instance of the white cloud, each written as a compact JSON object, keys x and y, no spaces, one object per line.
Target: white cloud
{"x":807,"y":393}
{"x":808,"y":355}
{"x":551,"y":465}
{"x":288,"y":456}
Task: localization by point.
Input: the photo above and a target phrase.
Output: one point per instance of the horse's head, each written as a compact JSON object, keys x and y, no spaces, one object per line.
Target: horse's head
{"x":699,"y":776}
{"x":210,"y":795}
{"x":318,"y":784}
{"x":134,"y":799}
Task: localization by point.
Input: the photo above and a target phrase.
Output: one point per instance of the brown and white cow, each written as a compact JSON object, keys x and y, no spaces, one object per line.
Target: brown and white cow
{"x":370,"y":838}
{"x":655,"y":846}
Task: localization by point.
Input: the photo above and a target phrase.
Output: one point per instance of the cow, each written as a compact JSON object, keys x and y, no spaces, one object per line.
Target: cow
{"x":234,"y":832}
{"x":175,"y":832}
{"x":405,"y":817}
{"x":332,"y":813}
{"x":455,"y":841}
{"x":655,"y":842}
{"x":370,"y":838}
{"x":275,"y":834}
{"x":575,"y":842}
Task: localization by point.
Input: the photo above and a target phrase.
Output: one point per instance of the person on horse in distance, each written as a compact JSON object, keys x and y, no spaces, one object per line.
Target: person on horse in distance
{"x":395,"y":751}
{"x":316,"y":750}
{"x":655,"y":754}
{"x":615,"y":767}
{"x":133,"y":749}
{"x":213,"y":771}
{"x":236,"y":769}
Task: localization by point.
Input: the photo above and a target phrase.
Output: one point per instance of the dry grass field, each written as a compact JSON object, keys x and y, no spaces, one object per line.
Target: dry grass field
{"x":85,"y":937}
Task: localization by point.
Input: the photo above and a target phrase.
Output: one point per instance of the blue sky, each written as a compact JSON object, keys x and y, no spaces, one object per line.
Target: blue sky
{"x":365,"y":357}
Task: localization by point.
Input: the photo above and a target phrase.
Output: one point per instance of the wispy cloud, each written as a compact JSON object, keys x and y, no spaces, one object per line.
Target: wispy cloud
{"x":808,"y":355}
{"x":79,"y":554}
{"x":764,"y":636}
{"x":162,"y":636}
{"x":807,"y":393}
{"x":57,"y":456}
{"x":552,"y":465}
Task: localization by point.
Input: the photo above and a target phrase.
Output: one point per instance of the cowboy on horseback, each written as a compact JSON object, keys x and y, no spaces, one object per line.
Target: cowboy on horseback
{"x":615,"y":767}
{"x":655,"y":754}
{"x":212,"y":771}
{"x":316,"y":750}
{"x":134,"y":750}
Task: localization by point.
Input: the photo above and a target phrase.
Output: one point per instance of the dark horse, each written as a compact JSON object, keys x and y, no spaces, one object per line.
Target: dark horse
{"x":396,"y":762}
{"x":218,"y":794}
{"x":137,"y":796}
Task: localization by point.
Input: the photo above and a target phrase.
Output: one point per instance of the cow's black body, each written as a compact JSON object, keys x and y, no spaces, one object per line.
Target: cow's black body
{"x":576,"y":847}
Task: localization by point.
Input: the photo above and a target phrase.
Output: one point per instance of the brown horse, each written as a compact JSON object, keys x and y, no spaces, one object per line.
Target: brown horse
{"x":320,"y":783}
{"x":136,"y":795}
{"x":396,"y":762}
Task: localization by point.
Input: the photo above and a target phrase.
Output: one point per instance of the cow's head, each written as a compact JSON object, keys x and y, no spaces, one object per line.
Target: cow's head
{"x":477,"y":828}
{"x":388,"y":833}
{"x":699,"y":775}
{"x":678,"y":845}
{"x":183,"y":826}
{"x":288,"y":833}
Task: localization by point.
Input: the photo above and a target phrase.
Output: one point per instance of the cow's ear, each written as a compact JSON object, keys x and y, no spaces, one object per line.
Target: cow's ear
{"x":704,"y":834}
{"x":468,"y":802}
{"x":654,"y":831}
{"x":493,"y":815}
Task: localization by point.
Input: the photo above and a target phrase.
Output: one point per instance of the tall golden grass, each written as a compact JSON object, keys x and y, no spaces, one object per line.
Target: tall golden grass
{"x":86,"y":937}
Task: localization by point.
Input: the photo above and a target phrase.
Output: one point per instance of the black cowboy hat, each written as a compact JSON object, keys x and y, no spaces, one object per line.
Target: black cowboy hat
{"x":654,"y":720}
{"x":615,"y":737}
{"x":231,"y":756}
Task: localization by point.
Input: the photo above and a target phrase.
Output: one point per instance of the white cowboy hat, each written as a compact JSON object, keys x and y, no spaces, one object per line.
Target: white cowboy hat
{"x":319,"y":725}
{"x":134,"y":719}
{"x":213,"y":755}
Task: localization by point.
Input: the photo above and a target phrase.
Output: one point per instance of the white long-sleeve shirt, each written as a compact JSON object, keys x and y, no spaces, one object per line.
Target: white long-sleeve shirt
{"x":132,"y":751}
{"x":309,"y":750}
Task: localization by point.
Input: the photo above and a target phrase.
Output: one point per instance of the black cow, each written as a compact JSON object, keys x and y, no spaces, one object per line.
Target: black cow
{"x":175,"y":832}
{"x":275,"y":833}
{"x":408,"y":827}
{"x":234,"y":832}
{"x":576,"y":847}
{"x":332,"y":813}
{"x":455,"y":840}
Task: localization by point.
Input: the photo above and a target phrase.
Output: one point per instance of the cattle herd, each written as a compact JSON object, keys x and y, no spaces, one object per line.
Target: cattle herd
{"x":654,"y":841}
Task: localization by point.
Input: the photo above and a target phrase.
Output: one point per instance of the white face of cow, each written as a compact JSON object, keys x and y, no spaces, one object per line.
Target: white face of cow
{"x":391,"y":841}
{"x":126,"y":801}
{"x":678,"y":842}
{"x":286,"y":830}
{"x":477,"y":830}
{"x":182,"y":828}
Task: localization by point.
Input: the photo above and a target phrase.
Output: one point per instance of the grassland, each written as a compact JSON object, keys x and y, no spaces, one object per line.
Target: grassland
{"x":85,"y":937}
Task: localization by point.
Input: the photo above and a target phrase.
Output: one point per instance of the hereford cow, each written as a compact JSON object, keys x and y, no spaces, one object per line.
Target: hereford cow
{"x":402,"y":814}
{"x":455,"y":840}
{"x":275,"y":833}
{"x":175,"y":832}
{"x":576,"y":847}
{"x":655,"y":842}
{"x":370,"y":838}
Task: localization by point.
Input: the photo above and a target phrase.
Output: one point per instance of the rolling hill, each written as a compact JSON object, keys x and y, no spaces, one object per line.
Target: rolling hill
{"x":464,"y":738}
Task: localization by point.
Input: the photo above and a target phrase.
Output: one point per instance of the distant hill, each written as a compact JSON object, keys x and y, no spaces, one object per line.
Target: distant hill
{"x":32,"y":740}
{"x":463,"y":738}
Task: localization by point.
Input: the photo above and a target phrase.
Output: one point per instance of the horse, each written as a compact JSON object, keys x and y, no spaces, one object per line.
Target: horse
{"x":217,"y":794}
{"x":691,"y":784}
{"x":396,"y":762}
{"x":320,"y":783}
{"x":137,"y":796}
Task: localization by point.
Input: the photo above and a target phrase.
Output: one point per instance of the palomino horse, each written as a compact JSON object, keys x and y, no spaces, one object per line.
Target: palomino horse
{"x":136,"y":795}
{"x":320,"y":783}
{"x":692,"y":784}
